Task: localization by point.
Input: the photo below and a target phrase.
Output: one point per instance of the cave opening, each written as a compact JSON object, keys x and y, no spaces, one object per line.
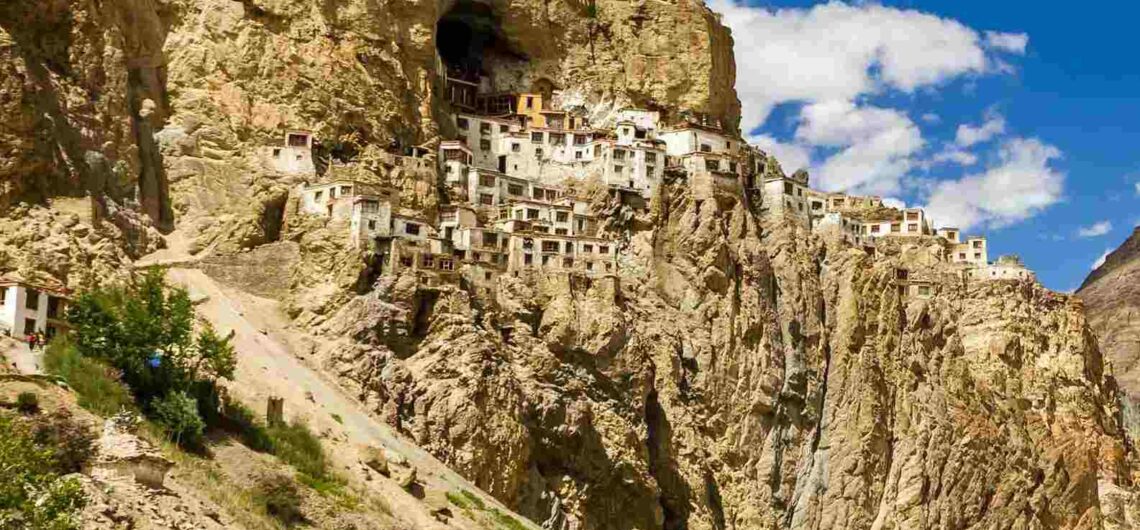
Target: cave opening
{"x":272,"y":218}
{"x":471,"y":44}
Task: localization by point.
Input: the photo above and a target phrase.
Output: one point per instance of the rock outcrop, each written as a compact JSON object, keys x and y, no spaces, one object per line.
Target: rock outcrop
{"x":1112,"y":300}
{"x":752,"y":375}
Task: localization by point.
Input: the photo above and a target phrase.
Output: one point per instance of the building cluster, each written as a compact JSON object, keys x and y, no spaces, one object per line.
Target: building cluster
{"x":860,"y":220}
{"x":508,"y":156}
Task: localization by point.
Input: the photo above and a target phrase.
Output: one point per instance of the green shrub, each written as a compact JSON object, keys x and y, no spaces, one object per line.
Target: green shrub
{"x":297,"y":446}
{"x":177,"y":413}
{"x":28,"y":403}
{"x":281,"y":499}
{"x":96,"y":384}
{"x":32,"y":494}
{"x":240,"y":420}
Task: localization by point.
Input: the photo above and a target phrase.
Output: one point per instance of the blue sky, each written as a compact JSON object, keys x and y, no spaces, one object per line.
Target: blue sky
{"x":1009,"y":119}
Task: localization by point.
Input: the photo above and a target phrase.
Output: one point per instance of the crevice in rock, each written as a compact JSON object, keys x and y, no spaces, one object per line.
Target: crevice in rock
{"x":674,"y":492}
{"x":273,"y":218}
{"x":714,"y":501}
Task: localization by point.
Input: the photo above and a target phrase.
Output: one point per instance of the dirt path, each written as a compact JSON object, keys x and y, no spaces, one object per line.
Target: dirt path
{"x":266,"y":366}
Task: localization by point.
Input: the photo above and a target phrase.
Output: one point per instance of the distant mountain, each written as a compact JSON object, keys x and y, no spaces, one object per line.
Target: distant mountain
{"x":1112,"y":300}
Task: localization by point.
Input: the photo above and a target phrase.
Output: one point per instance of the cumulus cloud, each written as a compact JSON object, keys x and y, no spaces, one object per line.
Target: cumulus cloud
{"x":836,"y":51}
{"x":1100,"y":261}
{"x":1095,"y":230}
{"x":955,"y":155}
{"x":931,"y":117}
{"x":968,"y":135}
{"x":1021,"y":184}
{"x":791,"y":156}
{"x":874,"y":145}
{"x":1138,"y":188}
{"x":1007,"y":42}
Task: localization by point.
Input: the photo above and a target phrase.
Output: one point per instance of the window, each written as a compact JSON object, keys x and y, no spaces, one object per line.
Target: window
{"x":538,"y":153}
{"x":603,"y":249}
{"x":567,"y":262}
{"x":406,"y":261}
{"x":816,"y":205}
{"x":3,"y":295}
{"x":650,"y":158}
{"x":578,"y":155}
{"x":318,"y":196}
{"x":639,"y":133}
{"x":528,"y":259}
{"x":550,"y":246}
{"x":461,"y":123}
{"x":446,"y":264}
{"x":977,"y":255}
{"x":562,"y":217}
{"x":540,"y":229}
{"x":33,"y":300}
{"x":487,"y":181}
{"x":298,"y":140}
{"x":580,"y":139}
{"x":619,"y":169}
{"x":485,"y":145}
{"x":587,"y":248}
{"x":332,"y":193}
{"x":370,"y":207}
{"x":277,"y":152}
{"x":977,"y":244}
{"x":412,"y":229}
{"x":874,"y":229}
{"x":589,"y":265}
{"x":962,"y":256}
{"x":896,"y":227}
{"x":912,"y":227}
{"x":504,"y":128}
{"x":486,"y":199}
{"x":912,"y":216}
{"x":490,"y":240}
{"x":924,"y":290}
{"x":557,"y":138}
{"x":706,"y":148}
{"x":609,"y":267}
{"x":561,"y":232}
{"x":371,"y":225}
{"x":712,"y":165}
{"x":536,"y":137}
{"x":29,"y":326}
{"x":619,"y":154}
{"x":545,"y":260}
{"x":789,"y":189}
{"x":515,"y":189}
{"x":428,"y":260}
{"x":516,"y":148}
{"x":531,"y":213}
{"x":530,"y":102}
{"x":485,"y":128}
{"x":728,"y":145}
{"x":569,"y":247}
{"x":732,"y":166}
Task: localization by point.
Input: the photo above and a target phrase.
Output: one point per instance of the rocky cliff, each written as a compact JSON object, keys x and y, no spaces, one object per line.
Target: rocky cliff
{"x":1112,"y":299}
{"x":747,"y":374}
{"x":737,"y":371}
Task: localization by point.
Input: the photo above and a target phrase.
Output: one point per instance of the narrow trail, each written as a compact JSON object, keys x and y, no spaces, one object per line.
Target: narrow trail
{"x":268,"y":367}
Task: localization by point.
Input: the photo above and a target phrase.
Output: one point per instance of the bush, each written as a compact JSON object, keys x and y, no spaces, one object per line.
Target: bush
{"x":32,"y":494}
{"x":239,"y":420}
{"x":297,"y":446}
{"x":97,"y":385}
{"x":28,"y":403}
{"x":177,"y":413}
{"x":279,"y":495}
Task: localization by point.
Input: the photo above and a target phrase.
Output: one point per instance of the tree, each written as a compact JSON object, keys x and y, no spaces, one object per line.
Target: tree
{"x":146,"y":329}
{"x":32,"y":494}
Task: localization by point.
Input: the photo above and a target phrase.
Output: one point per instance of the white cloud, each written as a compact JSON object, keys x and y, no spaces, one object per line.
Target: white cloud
{"x":892,"y":202}
{"x":969,"y":135}
{"x":791,"y":156}
{"x":1007,"y":42}
{"x":1138,"y":188}
{"x":1022,"y":184}
{"x":955,"y":155}
{"x":931,"y":118}
{"x":1100,"y":261}
{"x":837,"y":51}
{"x":1096,"y":229}
{"x":875,"y":145}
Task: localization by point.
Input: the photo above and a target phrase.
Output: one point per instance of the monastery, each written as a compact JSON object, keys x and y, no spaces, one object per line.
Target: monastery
{"x":507,"y":158}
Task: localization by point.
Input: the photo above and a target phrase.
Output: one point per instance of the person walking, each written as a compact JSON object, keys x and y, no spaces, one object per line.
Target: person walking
{"x":32,"y":341}
{"x":41,"y":339}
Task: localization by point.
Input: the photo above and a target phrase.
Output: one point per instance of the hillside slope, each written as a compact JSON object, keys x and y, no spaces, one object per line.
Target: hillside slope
{"x":1112,"y":301}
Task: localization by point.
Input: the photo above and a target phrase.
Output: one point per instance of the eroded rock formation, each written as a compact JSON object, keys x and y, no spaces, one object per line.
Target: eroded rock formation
{"x":1112,"y":300}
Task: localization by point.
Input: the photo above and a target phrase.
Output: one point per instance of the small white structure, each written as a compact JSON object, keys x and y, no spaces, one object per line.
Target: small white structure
{"x":295,"y":156}
{"x":1005,"y":268}
{"x":912,"y":223}
{"x":788,"y":196}
{"x":974,"y":251}
{"x":27,"y":308}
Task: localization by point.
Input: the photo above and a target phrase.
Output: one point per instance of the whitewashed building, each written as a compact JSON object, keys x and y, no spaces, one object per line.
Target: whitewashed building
{"x":28,"y":308}
{"x":295,"y":156}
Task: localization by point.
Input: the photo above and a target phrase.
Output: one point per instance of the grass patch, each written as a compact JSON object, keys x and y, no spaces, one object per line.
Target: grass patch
{"x":297,"y":446}
{"x":466,"y":500}
{"x":469,"y":502}
{"x":97,"y":385}
{"x":506,"y":521}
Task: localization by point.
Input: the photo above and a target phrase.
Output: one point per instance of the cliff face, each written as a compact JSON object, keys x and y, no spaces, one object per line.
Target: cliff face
{"x":1112,"y":299}
{"x":750,"y":375}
